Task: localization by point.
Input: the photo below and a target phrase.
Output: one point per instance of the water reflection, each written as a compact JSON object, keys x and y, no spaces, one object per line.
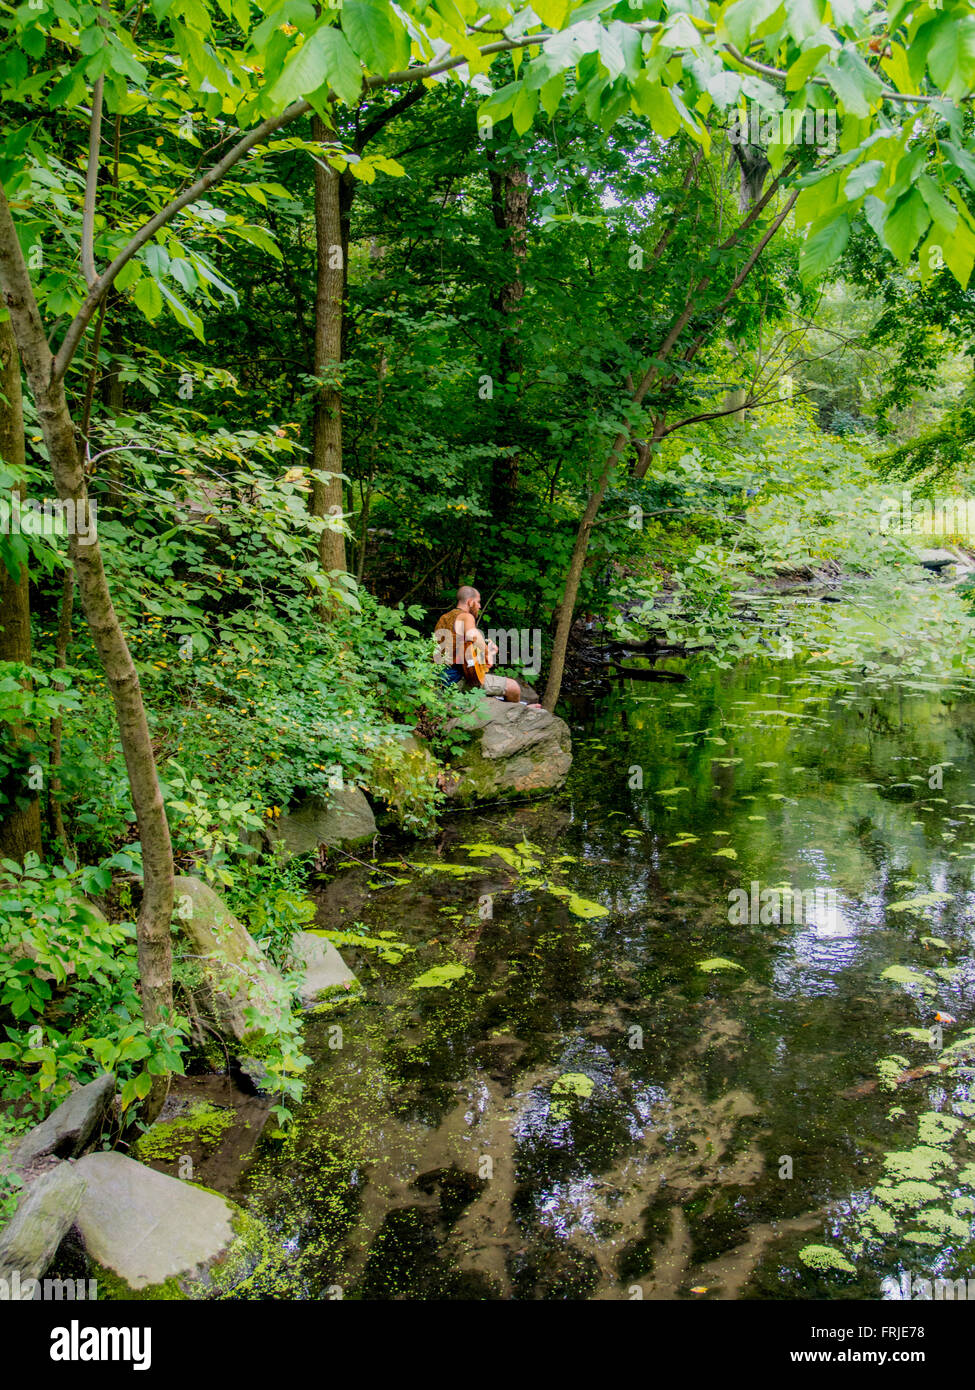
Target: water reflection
{"x":607,"y":1099}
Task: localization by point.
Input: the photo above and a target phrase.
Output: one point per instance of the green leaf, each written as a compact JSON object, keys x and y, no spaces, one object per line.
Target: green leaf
{"x":959,"y":252}
{"x":655,"y":102}
{"x":804,"y":18}
{"x":551,"y":94}
{"x":552,"y":12}
{"x":524,"y":110}
{"x":742,"y":19}
{"x":951,"y":60}
{"x":376,"y":35}
{"x":325,"y":58}
{"x":862,"y":178}
{"x":856,"y":85}
{"x":961,"y":159}
{"x":148,"y":297}
{"x":804,"y":66}
{"x":824,"y":245}
{"x":905,"y":224}
{"x":937,"y":204}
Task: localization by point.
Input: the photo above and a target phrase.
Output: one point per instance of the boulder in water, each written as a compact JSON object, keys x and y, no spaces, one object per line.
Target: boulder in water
{"x":326,"y":972}
{"x":346,"y":819}
{"x":153,"y":1236}
{"x":233,"y":972}
{"x":516,"y":751}
{"x":46,"y":1213}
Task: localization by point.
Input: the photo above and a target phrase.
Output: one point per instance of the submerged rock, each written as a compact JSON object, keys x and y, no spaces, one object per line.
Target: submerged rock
{"x":46,"y":1213}
{"x":70,"y":1128}
{"x":516,"y":751}
{"x":325,"y":970}
{"x":152,"y":1236}
{"x":345,"y":819}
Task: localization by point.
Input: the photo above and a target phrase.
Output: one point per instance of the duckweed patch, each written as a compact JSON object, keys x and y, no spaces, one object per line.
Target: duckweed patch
{"x":201,"y":1123}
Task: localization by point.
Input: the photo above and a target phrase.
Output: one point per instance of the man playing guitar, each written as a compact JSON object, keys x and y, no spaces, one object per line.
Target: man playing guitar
{"x":466,"y":655}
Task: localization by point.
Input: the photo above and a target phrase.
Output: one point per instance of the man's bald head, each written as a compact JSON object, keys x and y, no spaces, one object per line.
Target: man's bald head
{"x":464,"y":595}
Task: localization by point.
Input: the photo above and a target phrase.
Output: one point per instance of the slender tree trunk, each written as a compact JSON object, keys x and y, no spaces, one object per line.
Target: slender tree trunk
{"x":155,"y":913}
{"x":573,"y":578}
{"x":20,"y":826}
{"x":57,"y":725}
{"x":509,"y":200}
{"x":329,"y":297}
{"x":577,"y":561}
{"x":381,"y":368}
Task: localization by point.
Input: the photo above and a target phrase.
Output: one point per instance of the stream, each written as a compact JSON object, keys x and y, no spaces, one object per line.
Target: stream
{"x":543,"y":1095}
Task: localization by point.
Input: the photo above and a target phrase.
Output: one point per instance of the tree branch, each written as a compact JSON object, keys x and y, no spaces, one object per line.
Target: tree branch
{"x":76,"y":329}
{"x":91,"y":186}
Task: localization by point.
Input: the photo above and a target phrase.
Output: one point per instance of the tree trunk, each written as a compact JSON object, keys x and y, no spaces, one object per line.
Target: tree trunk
{"x":20,"y":826}
{"x":329,"y":297}
{"x":573,"y":578}
{"x":113,"y":389}
{"x":155,"y":913}
{"x":509,"y":200}
{"x":578,"y":559}
{"x":65,"y":617}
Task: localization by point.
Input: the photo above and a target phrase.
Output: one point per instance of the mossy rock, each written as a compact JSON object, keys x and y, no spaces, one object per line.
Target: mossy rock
{"x":231,"y":971}
{"x":199,"y":1124}
{"x":344,"y":820}
{"x":516,"y":752}
{"x":150,"y":1236}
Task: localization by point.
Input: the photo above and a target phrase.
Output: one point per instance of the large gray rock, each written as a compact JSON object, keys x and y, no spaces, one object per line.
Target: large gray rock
{"x":936,"y":559}
{"x":325,"y":970}
{"x":70,"y":1128}
{"x":515,"y":752}
{"x":46,"y":1213}
{"x":233,"y":972}
{"x":345,"y":819}
{"x":153,"y":1235}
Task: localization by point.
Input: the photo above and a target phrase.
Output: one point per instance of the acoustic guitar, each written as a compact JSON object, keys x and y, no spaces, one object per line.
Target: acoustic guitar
{"x":476,"y":668}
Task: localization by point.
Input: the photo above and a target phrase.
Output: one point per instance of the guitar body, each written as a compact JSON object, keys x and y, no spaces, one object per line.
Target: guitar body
{"x":475,"y":668}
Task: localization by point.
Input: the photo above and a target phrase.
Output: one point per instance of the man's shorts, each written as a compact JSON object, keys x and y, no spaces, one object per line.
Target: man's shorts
{"x":492,"y":685}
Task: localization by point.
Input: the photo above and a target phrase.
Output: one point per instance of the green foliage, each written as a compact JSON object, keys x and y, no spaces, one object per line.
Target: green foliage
{"x":486,"y":372}
{"x":28,"y":703}
{"x":206,"y":829}
{"x":61,"y":960}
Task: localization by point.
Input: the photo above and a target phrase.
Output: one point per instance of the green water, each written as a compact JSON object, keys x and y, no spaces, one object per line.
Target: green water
{"x":712,"y":1125}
